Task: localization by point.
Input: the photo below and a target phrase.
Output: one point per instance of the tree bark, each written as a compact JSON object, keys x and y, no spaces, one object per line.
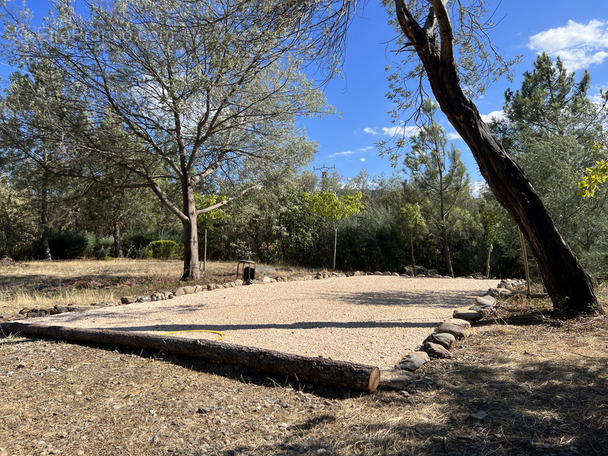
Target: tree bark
{"x":205,"y":248}
{"x":326,"y":371}
{"x":192,"y":269}
{"x":117,"y":240}
{"x":567,"y":283}
{"x":333,"y":266}
{"x":412,"y":251}
{"x":446,"y":247}
{"x":490,"y":248}
{"x":44,"y":222}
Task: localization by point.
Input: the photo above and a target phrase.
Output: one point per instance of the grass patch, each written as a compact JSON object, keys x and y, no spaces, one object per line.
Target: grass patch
{"x":43,"y":284}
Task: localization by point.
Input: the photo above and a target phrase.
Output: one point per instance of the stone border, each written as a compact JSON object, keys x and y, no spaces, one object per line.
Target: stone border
{"x":438,"y":343}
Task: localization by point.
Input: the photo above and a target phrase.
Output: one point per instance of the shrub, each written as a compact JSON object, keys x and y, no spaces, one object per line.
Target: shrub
{"x":162,"y":250}
{"x":135,"y":244}
{"x":67,"y":245}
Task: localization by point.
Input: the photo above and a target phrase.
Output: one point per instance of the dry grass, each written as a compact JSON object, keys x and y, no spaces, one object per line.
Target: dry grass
{"x":43,"y":284}
{"x":521,"y":384}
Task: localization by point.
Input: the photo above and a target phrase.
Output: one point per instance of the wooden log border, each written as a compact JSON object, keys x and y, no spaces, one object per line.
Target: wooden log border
{"x":353,"y":376}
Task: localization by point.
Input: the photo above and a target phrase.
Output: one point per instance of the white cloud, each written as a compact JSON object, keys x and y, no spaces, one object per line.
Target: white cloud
{"x":578,"y":45}
{"x":498,"y":115}
{"x":362,"y":159}
{"x":366,"y":149}
{"x":453,"y":136}
{"x":341,"y":154}
{"x":400,"y":130}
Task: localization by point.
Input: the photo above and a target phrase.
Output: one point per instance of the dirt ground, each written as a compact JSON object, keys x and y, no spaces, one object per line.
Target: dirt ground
{"x":516,"y":386}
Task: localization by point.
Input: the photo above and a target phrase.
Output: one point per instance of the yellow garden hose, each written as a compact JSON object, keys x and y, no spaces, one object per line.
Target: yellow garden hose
{"x":219,"y":333}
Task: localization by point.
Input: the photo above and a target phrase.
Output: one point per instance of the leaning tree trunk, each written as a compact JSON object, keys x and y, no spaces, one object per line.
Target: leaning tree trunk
{"x":191,"y":262}
{"x":566,"y":281}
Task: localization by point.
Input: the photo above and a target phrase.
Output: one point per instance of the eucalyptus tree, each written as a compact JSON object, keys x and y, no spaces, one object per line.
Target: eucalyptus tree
{"x":447,"y":53}
{"x":196,"y":90}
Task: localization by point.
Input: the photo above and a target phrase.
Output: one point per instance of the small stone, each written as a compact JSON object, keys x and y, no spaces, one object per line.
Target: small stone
{"x":179,"y":292}
{"x":479,"y":415}
{"x":128,"y":299}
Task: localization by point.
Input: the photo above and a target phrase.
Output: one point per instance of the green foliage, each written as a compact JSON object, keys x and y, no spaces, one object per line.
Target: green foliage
{"x":332,"y":207}
{"x":208,"y":201}
{"x":413,"y":216}
{"x":136,"y":242}
{"x":595,"y":175}
{"x":68,"y":245}
{"x":163,"y":250}
{"x":551,"y":129}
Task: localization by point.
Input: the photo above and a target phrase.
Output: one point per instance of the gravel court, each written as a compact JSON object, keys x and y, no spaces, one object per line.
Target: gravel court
{"x":371,"y":320}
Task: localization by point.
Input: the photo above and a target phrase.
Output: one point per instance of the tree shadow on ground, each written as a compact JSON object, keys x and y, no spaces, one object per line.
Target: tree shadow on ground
{"x":447,"y":299}
{"x":537,"y":408}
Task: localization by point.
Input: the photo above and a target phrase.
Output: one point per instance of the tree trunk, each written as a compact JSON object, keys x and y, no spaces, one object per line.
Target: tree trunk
{"x":192,"y":269}
{"x":46,"y":249}
{"x":412,"y":252}
{"x":446,"y":248}
{"x":490,"y":248}
{"x":117,"y":240}
{"x":567,"y":283}
{"x":205,"y":247}
{"x":333,"y":266}
{"x":358,"y":377}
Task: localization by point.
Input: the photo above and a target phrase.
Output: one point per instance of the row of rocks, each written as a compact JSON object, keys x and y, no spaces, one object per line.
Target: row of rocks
{"x":439,"y":343}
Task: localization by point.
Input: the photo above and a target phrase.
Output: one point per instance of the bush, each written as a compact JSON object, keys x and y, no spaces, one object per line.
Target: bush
{"x":104,"y":247}
{"x":67,"y":245}
{"x":135,"y":244}
{"x":162,"y":250}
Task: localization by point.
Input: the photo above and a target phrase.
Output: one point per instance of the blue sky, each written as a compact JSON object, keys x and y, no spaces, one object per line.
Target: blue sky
{"x":576,"y":31}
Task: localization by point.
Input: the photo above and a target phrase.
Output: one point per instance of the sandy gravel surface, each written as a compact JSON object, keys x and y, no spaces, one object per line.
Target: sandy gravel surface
{"x":370,"y":319}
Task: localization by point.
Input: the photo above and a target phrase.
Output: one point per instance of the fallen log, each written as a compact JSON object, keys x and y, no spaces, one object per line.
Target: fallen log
{"x":358,"y":377}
